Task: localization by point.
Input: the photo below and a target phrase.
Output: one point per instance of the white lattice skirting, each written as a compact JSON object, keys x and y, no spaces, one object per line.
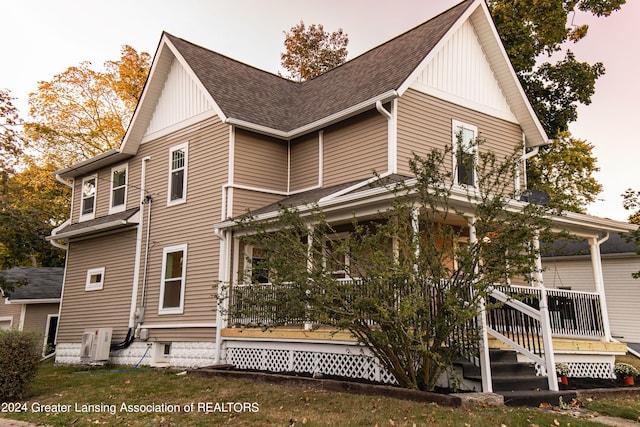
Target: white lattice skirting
{"x":182,"y":354}
{"x":347,"y":361}
{"x":588,"y":366}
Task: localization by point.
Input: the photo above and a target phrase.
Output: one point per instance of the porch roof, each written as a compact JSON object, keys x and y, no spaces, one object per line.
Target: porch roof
{"x":357,"y":196}
{"x":97,"y":225}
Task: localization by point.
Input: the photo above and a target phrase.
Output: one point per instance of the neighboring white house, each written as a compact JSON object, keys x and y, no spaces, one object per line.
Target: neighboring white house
{"x":569,"y":267}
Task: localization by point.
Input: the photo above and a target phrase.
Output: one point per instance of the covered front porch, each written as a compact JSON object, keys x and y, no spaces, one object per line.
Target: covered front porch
{"x":543,"y":326}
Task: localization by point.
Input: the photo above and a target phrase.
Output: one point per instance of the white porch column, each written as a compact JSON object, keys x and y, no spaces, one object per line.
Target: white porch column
{"x":598,"y":278}
{"x":485,"y":360}
{"x":545,"y":321}
{"x":224,"y":281}
{"x":307,"y":324}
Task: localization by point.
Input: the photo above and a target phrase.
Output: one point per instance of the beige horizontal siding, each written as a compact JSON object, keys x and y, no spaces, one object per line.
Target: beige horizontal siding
{"x":36,"y":316}
{"x":12,"y":311}
{"x":190,"y":223}
{"x":260,"y":161}
{"x":244,"y":200}
{"x":305,"y":162}
{"x":105,"y":308}
{"x":355,"y":148}
{"x":182,"y":334}
{"x":425,"y":123}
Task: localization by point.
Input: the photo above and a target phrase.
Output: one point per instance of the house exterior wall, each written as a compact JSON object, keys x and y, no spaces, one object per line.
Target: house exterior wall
{"x":425,"y":123}
{"x":353,"y":149}
{"x":36,"y":316}
{"x":190,"y":223}
{"x":244,"y":200}
{"x":260,"y":161}
{"x":104,"y":308}
{"x":305,"y":162}
{"x":9,"y":314}
{"x":621,"y":290}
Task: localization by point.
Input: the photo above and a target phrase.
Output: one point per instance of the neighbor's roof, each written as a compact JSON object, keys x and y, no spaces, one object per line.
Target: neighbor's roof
{"x":42,"y":283}
{"x":615,"y":244}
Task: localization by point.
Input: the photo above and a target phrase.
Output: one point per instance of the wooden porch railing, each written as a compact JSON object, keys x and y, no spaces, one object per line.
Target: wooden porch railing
{"x":572,"y":314}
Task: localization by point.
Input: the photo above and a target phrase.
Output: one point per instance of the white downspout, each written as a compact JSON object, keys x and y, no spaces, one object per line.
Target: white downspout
{"x":598,"y":277}
{"x":523,"y":161}
{"x":392,"y":141}
{"x":133,"y":316}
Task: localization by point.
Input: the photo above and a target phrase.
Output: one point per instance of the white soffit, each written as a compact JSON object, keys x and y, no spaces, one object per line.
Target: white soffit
{"x":461,"y":73}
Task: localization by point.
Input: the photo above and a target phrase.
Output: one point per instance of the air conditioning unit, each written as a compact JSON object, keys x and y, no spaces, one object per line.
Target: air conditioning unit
{"x":95,"y":345}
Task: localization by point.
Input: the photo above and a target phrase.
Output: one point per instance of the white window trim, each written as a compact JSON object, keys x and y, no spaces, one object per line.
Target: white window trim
{"x":455,"y":124}
{"x":336,"y":237}
{"x":46,"y":332}
{"x":92,"y":215}
{"x":185,"y":147}
{"x":165,"y":251}
{"x":248,"y":267}
{"x":94,"y":286}
{"x":123,"y":206}
{"x":7,"y":319}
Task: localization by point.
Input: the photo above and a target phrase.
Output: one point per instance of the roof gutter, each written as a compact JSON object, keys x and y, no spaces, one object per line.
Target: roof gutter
{"x":318,"y":124}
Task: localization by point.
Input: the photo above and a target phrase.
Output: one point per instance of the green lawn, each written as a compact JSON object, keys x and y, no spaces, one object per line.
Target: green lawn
{"x":64,"y":396}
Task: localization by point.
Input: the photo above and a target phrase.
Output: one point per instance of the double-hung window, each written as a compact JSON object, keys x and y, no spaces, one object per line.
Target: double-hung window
{"x":178,"y":160}
{"x":465,"y":153}
{"x":88,"y":198}
{"x":118,"y":189}
{"x":174,"y":268}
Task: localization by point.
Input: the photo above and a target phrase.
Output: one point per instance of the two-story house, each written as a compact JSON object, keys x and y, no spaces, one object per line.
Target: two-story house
{"x":151,"y":236}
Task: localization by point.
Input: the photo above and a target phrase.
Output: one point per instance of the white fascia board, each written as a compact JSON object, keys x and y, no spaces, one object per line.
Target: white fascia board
{"x":318,"y":124}
{"x":35,"y":301}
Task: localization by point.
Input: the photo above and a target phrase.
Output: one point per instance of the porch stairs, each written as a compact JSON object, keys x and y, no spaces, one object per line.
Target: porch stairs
{"x":516,"y":381}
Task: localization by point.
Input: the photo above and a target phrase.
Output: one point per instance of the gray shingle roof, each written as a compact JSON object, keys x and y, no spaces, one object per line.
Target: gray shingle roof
{"x":616,"y":244}
{"x":41,"y":282}
{"x":246,"y":93}
{"x":120,"y":219}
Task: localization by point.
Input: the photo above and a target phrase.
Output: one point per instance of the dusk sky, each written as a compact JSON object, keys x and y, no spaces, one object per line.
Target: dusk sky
{"x":45,"y":37}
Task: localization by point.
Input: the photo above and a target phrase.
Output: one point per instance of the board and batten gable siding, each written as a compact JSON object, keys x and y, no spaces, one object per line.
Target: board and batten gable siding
{"x":305,"y":162}
{"x":260,"y":161}
{"x":35,"y":318}
{"x":190,"y":223}
{"x":425,"y":123}
{"x":621,"y":290}
{"x":104,"y":308}
{"x":355,"y":148}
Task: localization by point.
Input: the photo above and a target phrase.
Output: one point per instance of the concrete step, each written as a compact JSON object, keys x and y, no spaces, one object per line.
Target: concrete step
{"x":535,"y":398}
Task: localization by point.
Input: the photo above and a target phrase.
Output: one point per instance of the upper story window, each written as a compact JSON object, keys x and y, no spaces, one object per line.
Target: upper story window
{"x":88,"y":198}
{"x":174,"y":269}
{"x":95,"y":279}
{"x":118,"y":189}
{"x":336,"y":261}
{"x":465,"y":152}
{"x":178,"y":159}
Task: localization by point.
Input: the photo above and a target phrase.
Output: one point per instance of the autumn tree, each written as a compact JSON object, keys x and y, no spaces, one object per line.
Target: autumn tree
{"x":33,"y":204}
{"x":532,"y":31}
{"x":311,"y":51}
{"x":564,"y":170}
{"x":409,"y":300}
{"x":83,"y":112}
{"x":11,"y":142}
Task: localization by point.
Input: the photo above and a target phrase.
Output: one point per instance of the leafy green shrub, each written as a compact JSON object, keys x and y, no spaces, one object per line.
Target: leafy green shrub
{"x":20,"y":353}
